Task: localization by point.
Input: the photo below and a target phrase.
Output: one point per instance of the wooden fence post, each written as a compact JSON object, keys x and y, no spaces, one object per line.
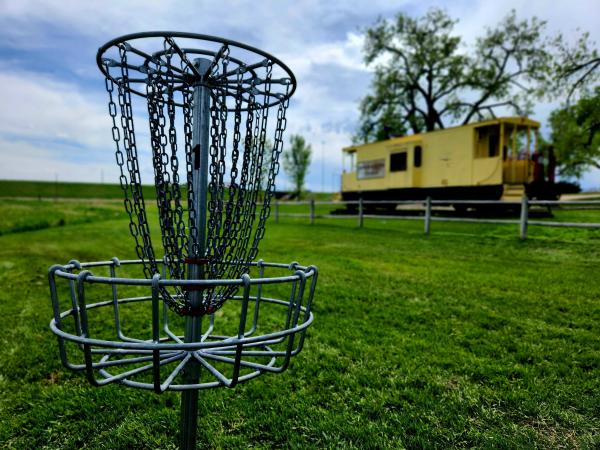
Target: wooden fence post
{"x":524,"y":217}
{"x":360,"y":213}
{"x":312,"y":211}
{"x":427,"y":216}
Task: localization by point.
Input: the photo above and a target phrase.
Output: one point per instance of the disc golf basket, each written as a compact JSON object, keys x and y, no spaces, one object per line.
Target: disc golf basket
{"x":195,"y":310}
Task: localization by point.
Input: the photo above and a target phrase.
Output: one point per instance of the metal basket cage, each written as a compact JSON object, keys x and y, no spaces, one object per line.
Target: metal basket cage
{"x":260,"y":333}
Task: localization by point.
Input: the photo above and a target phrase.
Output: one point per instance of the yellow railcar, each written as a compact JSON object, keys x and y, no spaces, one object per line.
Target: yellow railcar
{"x":494,"y":159}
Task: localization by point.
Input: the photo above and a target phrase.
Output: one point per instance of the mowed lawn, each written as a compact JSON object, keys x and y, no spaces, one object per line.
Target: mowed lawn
{"x":465,"y":338}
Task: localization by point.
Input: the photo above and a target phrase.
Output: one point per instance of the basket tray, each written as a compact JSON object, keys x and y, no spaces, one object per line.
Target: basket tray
{"x":117,"y":328}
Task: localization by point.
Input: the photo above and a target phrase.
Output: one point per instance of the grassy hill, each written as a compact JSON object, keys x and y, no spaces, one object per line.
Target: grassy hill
{"x":50,"y":189}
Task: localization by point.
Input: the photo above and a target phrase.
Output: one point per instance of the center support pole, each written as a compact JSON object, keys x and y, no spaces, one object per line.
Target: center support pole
{"x":193,"y":324}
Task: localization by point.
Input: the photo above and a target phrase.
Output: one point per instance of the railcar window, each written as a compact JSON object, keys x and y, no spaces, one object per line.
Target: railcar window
{"x":487,"y":141}
{"x":398,"y":162}
{"x":494,"y":145}
{"x":371,"y":169}
{"x":418,"y":156}
{"x":349,"y":162}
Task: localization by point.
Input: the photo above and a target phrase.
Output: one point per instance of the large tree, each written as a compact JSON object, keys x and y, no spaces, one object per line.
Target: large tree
{"x":576,"y":68}
{"x":576,"y":135}
{"x":296,"y":159}
{"x":426,"y":79}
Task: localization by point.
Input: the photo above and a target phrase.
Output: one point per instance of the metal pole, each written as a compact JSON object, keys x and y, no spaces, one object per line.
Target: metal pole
{"x":312,"y":211}
{"x":322,"y":166}
{"x":524,"y":217}
{"x":276,"y":211}
{"x":360,"y":213}
{"x":193,"y":324}
{"x":427,"y":215}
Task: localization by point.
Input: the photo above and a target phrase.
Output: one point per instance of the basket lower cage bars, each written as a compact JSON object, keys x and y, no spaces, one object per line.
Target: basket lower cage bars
{"x":261,"y":332}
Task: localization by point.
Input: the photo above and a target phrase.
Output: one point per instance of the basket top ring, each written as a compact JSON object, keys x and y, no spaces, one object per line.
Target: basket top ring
{"x":66,"y":271}
{"x":150,"y":54}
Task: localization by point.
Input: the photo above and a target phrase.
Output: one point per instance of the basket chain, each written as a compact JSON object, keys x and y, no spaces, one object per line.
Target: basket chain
{"x":133,"y":205}
{"x":234,"y":230}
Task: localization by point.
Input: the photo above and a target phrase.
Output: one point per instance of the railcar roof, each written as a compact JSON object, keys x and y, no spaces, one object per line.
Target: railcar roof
{"x":515,"y":120}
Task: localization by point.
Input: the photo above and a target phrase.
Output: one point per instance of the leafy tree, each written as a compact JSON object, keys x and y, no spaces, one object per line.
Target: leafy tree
{"x":296,"y":159}
{"x":576,"y":135}
{"x":576,"y":126}
{"x":425,"y":80}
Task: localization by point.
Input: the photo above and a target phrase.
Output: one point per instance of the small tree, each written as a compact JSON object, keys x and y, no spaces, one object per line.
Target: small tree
{"x":296,"y":159}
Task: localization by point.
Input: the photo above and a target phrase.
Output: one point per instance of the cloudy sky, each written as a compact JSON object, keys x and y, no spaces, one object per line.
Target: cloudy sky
{"x":53,"y":120}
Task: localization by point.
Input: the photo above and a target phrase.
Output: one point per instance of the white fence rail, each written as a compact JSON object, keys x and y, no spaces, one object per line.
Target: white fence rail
{"x":523,"y":222}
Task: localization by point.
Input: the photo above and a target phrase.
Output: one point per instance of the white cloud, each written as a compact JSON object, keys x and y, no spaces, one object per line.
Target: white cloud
{"x":22,"y":160}
{"x":346,"y":54}
{"x":38,"y":107}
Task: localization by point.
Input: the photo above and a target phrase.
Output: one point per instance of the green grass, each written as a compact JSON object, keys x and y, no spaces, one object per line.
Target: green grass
{"x":466,"y":338}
